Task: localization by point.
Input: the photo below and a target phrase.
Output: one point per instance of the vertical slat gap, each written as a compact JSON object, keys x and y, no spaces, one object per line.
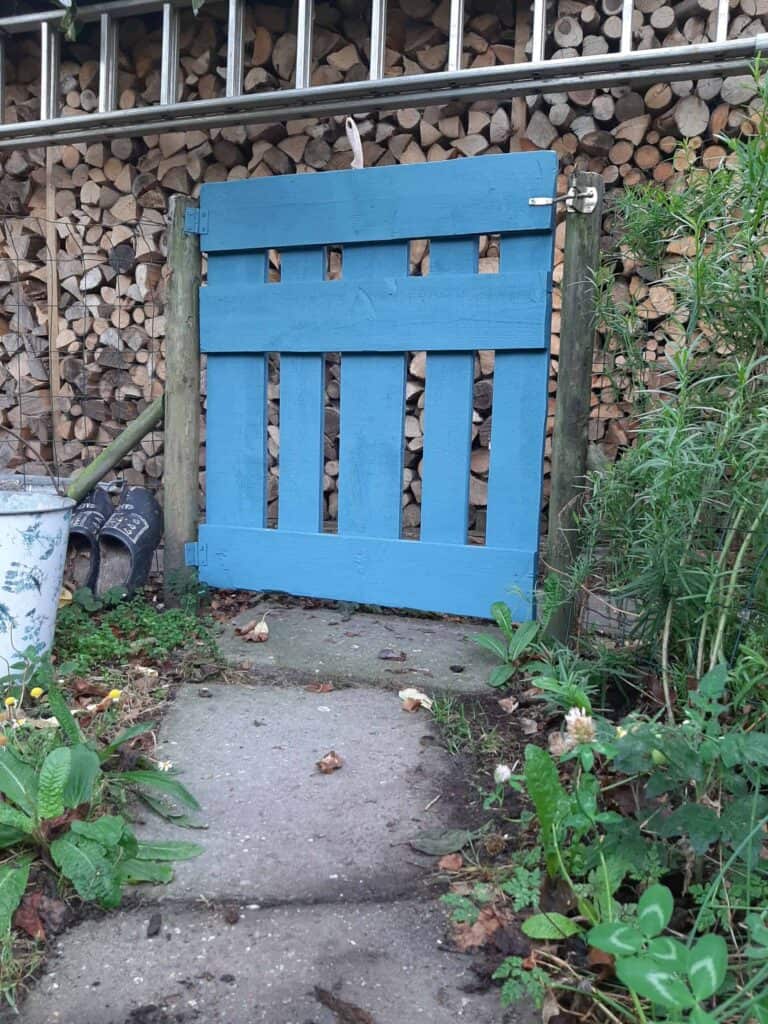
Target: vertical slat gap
{"x":378,"y":39}
{"x":539,"y":34}
{"x":170,"y":54}
{"x":455,"y":35}
{"x":107,"y":63}
{"x":235,"y":36}
{"x":50,"y":50}
{"x":306,"y":14}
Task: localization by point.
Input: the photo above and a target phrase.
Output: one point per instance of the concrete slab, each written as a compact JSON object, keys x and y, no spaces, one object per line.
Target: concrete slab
{"x":385,"y":960}
{"x":279,"y":830}
{"x":325,"y":644}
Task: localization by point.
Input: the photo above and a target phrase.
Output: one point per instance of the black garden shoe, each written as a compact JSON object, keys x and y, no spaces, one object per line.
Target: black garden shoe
{"x":89,"y":516}
{"x":128,"y":541}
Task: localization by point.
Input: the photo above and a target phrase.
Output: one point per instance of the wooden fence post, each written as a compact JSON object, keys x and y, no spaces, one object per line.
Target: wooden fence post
{"x":574,"y":385}
{"x":182,"y":399}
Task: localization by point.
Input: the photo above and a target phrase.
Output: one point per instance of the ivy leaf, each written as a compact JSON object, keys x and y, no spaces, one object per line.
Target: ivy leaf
{"x":712,"y":685}
{"x":648,"y":979}
{"x":13,"y":882}
{"x":654,"y":910}
{"x":620,"y":940}
{"x":550,"y":927}
{"x":707,"y":964}
{"x":53,"y":778}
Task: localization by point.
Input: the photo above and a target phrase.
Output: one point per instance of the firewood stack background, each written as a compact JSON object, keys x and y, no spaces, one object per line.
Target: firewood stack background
{"x":98,"y":212}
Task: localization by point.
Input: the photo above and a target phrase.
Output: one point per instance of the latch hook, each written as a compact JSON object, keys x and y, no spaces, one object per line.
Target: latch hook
{"x":583,"y":201}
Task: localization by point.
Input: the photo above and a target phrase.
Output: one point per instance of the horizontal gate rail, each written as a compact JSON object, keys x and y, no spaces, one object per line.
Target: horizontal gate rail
{"x":719,"y":58}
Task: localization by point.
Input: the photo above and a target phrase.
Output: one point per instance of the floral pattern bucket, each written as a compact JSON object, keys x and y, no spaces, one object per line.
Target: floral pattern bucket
{"x":34,"y":526}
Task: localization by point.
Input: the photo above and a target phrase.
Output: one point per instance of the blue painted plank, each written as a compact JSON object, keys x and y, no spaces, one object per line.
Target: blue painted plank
{"x":455,"y":197}
{"x":450,"y":311}
{"x":372,"y":415}
{"x":236,"y":440}
{"x":300,"y":502}
{"x":448,"y":416}
{"x":519,"y":424}
{"x":460,"y":579}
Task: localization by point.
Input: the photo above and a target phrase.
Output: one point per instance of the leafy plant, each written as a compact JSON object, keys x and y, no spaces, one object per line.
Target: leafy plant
{"x":516,"y":644}
{"x":521,"y":982}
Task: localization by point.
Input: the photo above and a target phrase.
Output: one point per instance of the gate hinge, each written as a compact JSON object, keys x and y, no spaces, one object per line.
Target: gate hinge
{"x":196,"y":222}
{"x":196,"y":554}
{"x":583,"y":201}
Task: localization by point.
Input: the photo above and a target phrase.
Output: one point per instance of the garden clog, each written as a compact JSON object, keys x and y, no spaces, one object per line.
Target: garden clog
{"x":88,"y":518}
{"x":128,"y":541}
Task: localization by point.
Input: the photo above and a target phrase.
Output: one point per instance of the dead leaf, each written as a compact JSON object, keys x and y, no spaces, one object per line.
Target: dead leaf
{"x":467,"y":936}
{"x":346,"y":1013}
{"x":256,"y":630}
{"x":389,"y":654}
{"x":603,"y":963}
{"x":451,"y":862}
{"x":529,"y":726}
{"x":549,"y":1007}
{"x":86,"y":688}
{"x":556,"y":743}
{"x":320,"y":688}
{"x":330,"y":763}
{"x":414,"y":699}
{"x":509,"y":705}
{"x":27,"y":918}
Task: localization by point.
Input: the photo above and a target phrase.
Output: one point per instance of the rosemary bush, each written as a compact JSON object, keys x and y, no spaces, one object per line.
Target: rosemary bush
{"x":678,"y":527}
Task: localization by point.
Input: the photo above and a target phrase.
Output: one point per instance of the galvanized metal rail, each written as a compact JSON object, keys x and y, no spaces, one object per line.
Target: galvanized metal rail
{"x":721,"y":57}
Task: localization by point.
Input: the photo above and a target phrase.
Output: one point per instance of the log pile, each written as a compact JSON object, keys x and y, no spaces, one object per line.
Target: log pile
{"x":111,"y":199}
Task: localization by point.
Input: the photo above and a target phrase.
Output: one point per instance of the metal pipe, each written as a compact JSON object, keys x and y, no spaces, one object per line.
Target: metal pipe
{"x":723,"y":10}
{"x":170,"y":54}
{"x":538,"y":31}
{"x":50,"y":50}
{"x":235,"y":35}
{"x":304,"y":44}
{"x":455,"y":35}
{"x":352,"y":97}
{"x":627,"y":9}
{"x":107,"y":63}
{"x":124,"y":9}
{"x":378,"y":39}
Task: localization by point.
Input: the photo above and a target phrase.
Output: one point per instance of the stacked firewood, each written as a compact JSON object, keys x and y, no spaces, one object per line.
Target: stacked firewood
{"x":109,"y":201}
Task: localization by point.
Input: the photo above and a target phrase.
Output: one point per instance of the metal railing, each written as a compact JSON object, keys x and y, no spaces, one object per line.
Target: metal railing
{"x":721,"y":57}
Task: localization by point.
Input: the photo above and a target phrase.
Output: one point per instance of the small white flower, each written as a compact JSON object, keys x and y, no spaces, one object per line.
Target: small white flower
{"x":579,"y":728}
{"x":164,"y":766}
{"x":502,"y":774}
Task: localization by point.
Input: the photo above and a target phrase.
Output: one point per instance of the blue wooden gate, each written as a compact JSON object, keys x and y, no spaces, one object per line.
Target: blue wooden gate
{"x":374,"y":316}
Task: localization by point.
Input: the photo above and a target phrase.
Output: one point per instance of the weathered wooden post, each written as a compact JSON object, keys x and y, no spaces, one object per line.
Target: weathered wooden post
{"x":574,"y":380}
{"x":182,"y":399}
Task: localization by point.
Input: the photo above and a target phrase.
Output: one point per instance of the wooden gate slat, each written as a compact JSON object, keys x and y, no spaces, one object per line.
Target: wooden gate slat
{"x":372,"y":415}
{"x":518,"y":426}
{"x":236,"y":440}
{"x":302,"y":376}
{"x":462,"y":579}
{"x":448,"y":416}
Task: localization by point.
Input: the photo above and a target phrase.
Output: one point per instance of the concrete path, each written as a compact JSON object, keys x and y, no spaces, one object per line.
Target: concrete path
{"x":308,"y":905}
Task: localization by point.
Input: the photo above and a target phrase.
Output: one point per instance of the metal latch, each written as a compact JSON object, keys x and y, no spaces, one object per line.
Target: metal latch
{"x":583,"y":201}
{"x":196,"y":221}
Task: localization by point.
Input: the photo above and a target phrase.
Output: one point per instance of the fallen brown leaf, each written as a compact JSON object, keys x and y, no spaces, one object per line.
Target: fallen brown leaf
{"x":409,"y":704}
{"x":256,"y":630}
{"x":467,"y":936}
{"x":27,"y":918}
{"x":346,"y":1013}
{"x":550,"y":1007}
{"x":509,"y":705}
{"x":603,"y":963}
{"x":330,"y":763}
{"x":388,"y":654}
{"x":320,"y":688}
{"x":529,"y":726}
{"x":556,"y":743}
{"x":451,"y":862}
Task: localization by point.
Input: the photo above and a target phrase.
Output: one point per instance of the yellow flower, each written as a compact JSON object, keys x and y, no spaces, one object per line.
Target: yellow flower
{"x":36,"y":692}
{"x":115,"y":694}
{"x":10,"y":702}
